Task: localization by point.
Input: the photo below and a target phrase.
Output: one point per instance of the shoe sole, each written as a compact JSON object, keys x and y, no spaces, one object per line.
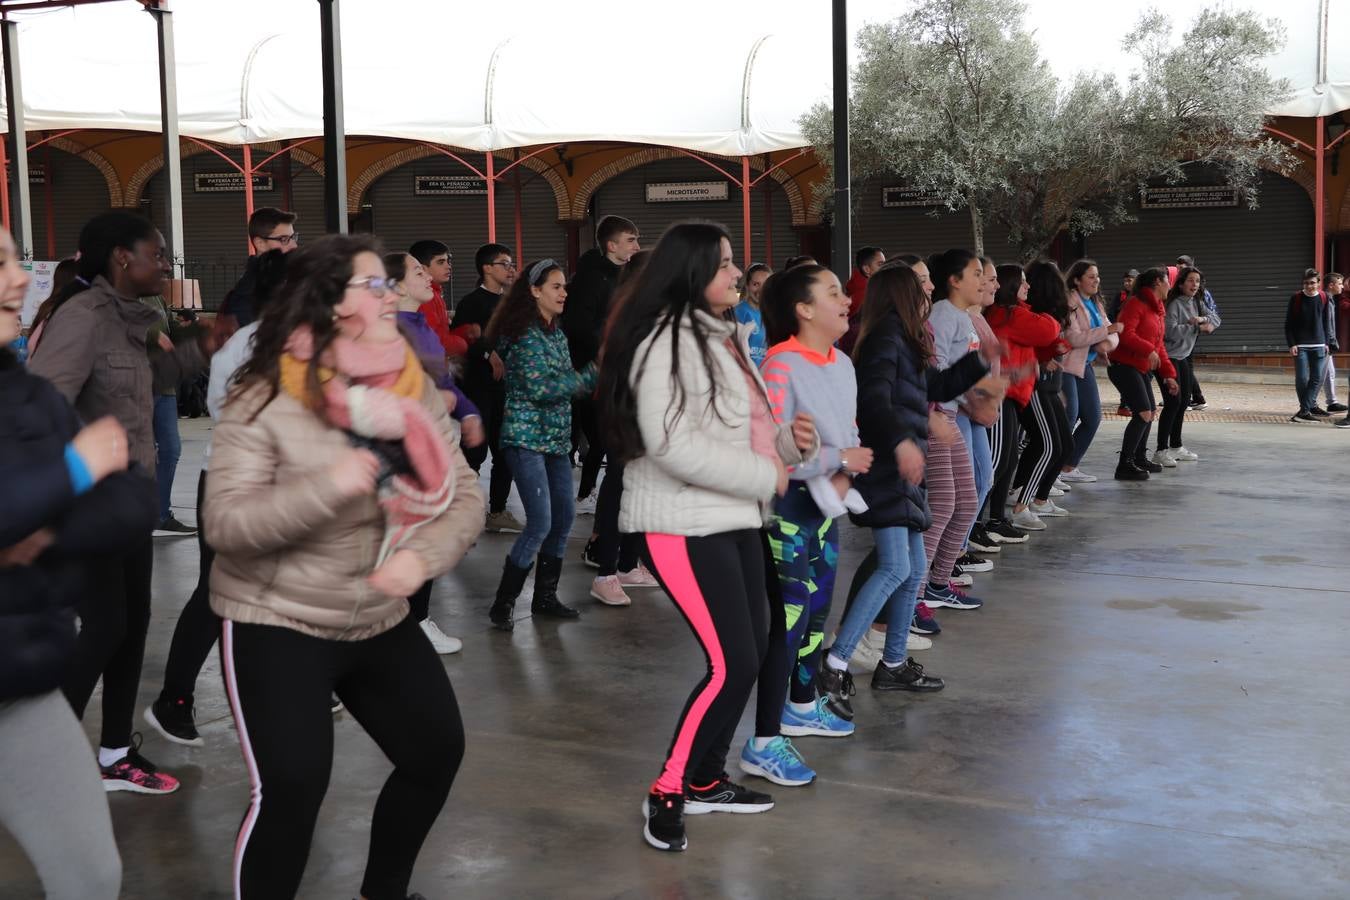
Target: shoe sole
{"x":1055,"y":514}
{"x":655,"y":841}
{"x":504,"y":531}
{"x":891,"y":686}
{"x":923,"y":633}
{"x":640,"y":587}
{"x":752,"y":769}
{"x":1020,"y":539}
{"x":803,"y":731}
{"x":1040,"y":527}
{"x":112,"y":786}
{"x":590,"y":563}
{"x":991,"y":547}
{"x":149,"y":716}
{"x":698,"y":808}
{"x":611,"y":602}
{"x":158,"y":533}
{"x":983,"y":565}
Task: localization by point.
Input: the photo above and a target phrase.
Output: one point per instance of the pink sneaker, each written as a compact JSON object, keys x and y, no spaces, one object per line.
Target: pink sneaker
{"x":137,"y":774}
{"x":638,"y":577}
{"x":609,"y":591}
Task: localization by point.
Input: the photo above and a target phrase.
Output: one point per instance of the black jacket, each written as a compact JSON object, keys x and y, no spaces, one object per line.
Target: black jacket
{"x":241,"y":301}
{"x":1310,"y":320}
{"x":37,"y":628}
{"x":476,"y":308}
{"x":587,"y":306}
{"x":894,"y":392}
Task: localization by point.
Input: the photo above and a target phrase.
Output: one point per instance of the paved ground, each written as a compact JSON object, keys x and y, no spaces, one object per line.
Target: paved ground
{"x":1152,"y":704}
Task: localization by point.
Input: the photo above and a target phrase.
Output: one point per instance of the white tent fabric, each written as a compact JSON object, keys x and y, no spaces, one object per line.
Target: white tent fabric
{"x":706,"y":75}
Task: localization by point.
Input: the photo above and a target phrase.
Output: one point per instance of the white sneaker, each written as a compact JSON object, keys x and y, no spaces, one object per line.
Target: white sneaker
{"x":962,"y":579}
{"x":586,"y":507}
{"x":1056,"y":491}
{"x":1164,"y":459}
{"x":1027,"y":520}
{"x":441,"y":642}
{"x":638,"y":577}
{"x":917,"y":642}
{"x":1077,"y":476}
{"x":1048,"y":508}
{"x":1062,"y":485}
{"x":868,"y":652}
{"x":1181,"y":454}
{"x":608,"y":591}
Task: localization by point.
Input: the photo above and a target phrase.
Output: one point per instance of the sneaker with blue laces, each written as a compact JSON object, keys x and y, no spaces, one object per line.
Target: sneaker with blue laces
{"x":820,"y":722}
{"x":779,"y":762}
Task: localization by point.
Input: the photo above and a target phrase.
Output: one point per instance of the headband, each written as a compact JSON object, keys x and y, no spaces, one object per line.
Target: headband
{"x":539,"y":268}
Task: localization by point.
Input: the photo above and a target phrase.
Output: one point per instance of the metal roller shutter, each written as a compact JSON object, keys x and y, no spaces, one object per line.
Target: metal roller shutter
{"x":913,"y":229}
{"x":1253,"y":259}
{"x":626,"y":195}
{"x":78,"y":193}
{"x":402,"y":217}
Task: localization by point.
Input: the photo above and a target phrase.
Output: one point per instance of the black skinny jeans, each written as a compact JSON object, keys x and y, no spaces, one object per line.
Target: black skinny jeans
{"x":491,"y":403}
{"x":1136,"y":390}
{"x":114,"y":609}
{"x":587,"y":416}
{"x":1174,"y":408}
{"x":280,"y":683}
{"x":615,"y":552}
{"x":198,"y":627}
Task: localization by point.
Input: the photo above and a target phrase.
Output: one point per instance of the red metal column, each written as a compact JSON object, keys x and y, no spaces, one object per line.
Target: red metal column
{"x":1319,"y":195}
{"x":515,"y":202}
{"x":248,"y":189}
{"x":745,"y":207}
{"x":491,"y":178}
{"x":768,"y":225}
{"x":47,"y":203}
{"x":4,"y":184}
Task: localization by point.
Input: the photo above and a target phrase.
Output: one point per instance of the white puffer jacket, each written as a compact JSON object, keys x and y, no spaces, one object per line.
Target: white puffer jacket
{"x":698,"y":474}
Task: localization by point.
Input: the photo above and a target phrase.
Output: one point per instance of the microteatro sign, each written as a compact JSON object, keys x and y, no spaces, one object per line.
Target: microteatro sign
{"x":229,"y":183}
{"x":449,"y":186}
{"x":892,"y":197}
{"x":685,"y":191}
{"x":1188,"y":196}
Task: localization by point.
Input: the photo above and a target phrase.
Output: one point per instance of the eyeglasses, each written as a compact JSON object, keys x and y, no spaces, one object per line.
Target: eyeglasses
{"x":284,"y":240}
{"x":504,"y":263}
{"x":376,"y":284}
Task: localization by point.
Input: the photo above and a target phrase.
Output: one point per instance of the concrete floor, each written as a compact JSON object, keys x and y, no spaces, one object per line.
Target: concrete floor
{"x":1152,"y":704}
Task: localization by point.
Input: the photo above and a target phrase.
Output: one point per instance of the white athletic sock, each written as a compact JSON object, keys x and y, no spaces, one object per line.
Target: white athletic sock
{"x":836,"y":663}
{"x":761,"y":742}
{"x":892,"y":665}
{"x":107,"y":757}
{"x":802,"y":708}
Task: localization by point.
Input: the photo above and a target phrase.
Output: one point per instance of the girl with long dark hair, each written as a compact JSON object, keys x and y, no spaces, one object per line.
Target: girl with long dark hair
{"x":337,"y":487}
{"x":1141,"y":352}
{"x":1089,"y":333}
{"x":1183,"y":321}
{"x":687,"y":410}
{"x":536,"y":434}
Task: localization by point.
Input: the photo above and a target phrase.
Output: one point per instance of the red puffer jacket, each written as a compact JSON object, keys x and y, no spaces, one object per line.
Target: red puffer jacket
{"x":1141,"y":319}
{"x":1022,"y":332}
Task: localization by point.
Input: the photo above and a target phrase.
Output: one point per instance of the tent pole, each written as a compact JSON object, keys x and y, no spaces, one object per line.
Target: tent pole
{"x":745,"y":208}
{"x":48,"y":204}
{"x":334,"y":131}
{"x":18,"y":138}
{"x":768,"y":217}
{"x":491,"y":179}
{"x":168,"y":128}
{"x":842,"y":246}
{"x":515,"y":200}
{"x":248,"y":189}
{"x":1319,"y":196}
{"x":4,"y":183}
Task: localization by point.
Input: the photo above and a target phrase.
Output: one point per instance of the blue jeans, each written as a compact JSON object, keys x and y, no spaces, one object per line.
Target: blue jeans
{"x":544,"y":481}
{"x":981,"y":459}
{"x":1308,"y":375}
{"x":1083,"y":409}
{"x":168,"y":447}
{"x":901,"y":566}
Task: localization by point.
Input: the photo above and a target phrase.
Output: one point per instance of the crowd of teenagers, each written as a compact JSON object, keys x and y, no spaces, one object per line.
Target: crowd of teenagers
{"x":946,"y":404}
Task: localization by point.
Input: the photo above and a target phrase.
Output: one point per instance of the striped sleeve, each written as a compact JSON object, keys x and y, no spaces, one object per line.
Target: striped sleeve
{"x":776,"y":373}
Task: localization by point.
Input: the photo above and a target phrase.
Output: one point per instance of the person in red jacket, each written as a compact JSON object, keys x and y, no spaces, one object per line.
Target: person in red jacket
{"x":435,"y":258}
{"x":1020,"y":331}
{"x":1141,"y":352}
{"x":866,"y":261}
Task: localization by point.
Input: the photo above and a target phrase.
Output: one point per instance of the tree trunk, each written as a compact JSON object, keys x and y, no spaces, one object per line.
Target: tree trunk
{"x":976,"y":227}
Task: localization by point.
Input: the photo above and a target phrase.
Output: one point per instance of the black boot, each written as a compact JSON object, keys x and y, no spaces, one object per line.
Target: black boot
{"x":546,"y":602}
{"x":503,"y":608}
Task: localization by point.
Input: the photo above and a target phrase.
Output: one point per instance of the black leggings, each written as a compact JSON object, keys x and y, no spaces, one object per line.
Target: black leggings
{"x":615,"y":552}
{"x":1136,"y":391}
{"x":588,"y":420}
{"x":1003,"y":439}
{"x":492,"y":406}
{"x":1048,"y":443}
{"x":718,"y":583}
{"x":114,"y":609}
{"x":1174,"y":408}
{"x":198,"y":627}
{"x":280,"y":682}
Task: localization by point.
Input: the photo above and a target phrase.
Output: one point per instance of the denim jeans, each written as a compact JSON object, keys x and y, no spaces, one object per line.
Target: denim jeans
{"x":901,"y":566}
{"x":1083,"y":409}
{"x":1308,"y":375}
{"x":168,"y":447}
{"x":544,"y":481}
{"x":981,"y":458}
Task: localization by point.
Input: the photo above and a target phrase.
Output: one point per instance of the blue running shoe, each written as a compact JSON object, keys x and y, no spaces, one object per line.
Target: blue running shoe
{"x":779,"y":762}
{"x":950,"y":596}
{"x":820,"y":722}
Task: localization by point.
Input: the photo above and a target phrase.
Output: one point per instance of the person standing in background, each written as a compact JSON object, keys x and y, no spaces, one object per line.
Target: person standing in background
{"x":1309,"y":332}
{"x":269,"y":228}
{"x":1333,"y":283}
{"x":866,"y":262}
{"x":169,"y":371}
{"x":747,"y":312}
{"x":435,"y":258}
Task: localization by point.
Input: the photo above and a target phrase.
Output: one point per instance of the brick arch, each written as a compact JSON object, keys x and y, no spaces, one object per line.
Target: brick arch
{"x":357,"y":190}
{"x":796,"y":202}
{"x":98,"y":161}
{"x":141,"y":177}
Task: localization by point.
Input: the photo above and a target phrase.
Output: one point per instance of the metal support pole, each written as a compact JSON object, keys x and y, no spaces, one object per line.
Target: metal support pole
{"x":334,"y":132}
{"x":248,"y":191}
{"x":842,"y":245}
{"x":491,"y":178}
{"x":1319,"y":195}
{"x":48,"y":204}
{"x":4,"y":184}
{"x":745,"y":208}
{"x":515,"y":201}
{"x":768,"y":223}
{"x":18,"y":142}
{"x":168,"y":127}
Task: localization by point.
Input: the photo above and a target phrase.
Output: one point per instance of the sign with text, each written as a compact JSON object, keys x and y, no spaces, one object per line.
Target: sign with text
{"x":1188,"y":196}
{"x":894,"y":197}
{"x":686,"y":191}
{"x":449,"y":186}
{"x":40,"y":274}
{"x":37,"y":173}
{"x":230,"y":183}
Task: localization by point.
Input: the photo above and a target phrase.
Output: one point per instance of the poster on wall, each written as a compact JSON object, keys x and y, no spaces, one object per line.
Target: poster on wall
{"x":895,"y":197}
{"x":686,"y":191}
{"x":1188,"y":196}
{"x":449,"y":186}
{"x":39,"y":287}
{"x":230,"y":183}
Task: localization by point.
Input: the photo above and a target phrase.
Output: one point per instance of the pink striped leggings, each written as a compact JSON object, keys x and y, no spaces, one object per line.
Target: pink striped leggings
{"x":953,"y":503}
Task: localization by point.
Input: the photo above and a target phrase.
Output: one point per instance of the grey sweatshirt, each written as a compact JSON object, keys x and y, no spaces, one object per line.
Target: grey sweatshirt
{"x":1179,"y":336}
{"x":953,"y":337}
{"x":799,"y":379}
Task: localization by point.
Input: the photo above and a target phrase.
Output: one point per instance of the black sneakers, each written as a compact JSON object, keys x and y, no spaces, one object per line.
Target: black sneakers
{"x":908,"y":676}
{"x":1003,"y":532}
{"x":836,"y":688}
{"x":664,"y":829}
{"x":171,"y":527}
{"x":1130,"y":472}
{"x":1337,"y":407}
{"x":725,"y":795}
{"x":1302,"y":416}
{"x":174,"y":720}
{"x":982,"y":540}
{"x":1148,"y":465}
{"x":1319,"y":413}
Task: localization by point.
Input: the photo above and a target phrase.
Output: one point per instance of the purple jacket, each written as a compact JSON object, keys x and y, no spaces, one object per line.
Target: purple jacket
{"x":431,"y":355}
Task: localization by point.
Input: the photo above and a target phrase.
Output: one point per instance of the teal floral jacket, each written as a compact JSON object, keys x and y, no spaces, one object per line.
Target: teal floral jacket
{"x":540,"y":385}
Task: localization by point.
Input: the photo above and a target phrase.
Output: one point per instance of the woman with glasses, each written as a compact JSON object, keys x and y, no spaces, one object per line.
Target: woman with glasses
{"x":536,"y":434}
{"x":337,"y":488}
